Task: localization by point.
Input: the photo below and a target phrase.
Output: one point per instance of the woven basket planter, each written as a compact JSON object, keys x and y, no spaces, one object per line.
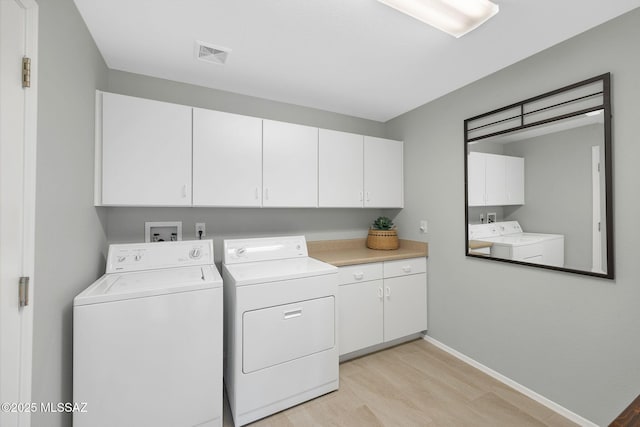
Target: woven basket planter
{"x":385,"y":240}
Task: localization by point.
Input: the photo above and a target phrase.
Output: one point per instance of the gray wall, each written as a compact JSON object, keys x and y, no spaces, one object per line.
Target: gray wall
{"x":558,"y":198}
{"x":567,"y":337}
{"x":70,"y":232}
{"x":182,"y":93}
{"x":127,"y":224}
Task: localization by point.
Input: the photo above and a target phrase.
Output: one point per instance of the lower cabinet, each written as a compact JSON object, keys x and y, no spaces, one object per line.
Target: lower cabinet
{"x":381,"y":302}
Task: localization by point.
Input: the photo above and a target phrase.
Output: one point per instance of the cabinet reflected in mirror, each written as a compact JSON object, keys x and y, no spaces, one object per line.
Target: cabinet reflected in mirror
{"x":541,"y":169}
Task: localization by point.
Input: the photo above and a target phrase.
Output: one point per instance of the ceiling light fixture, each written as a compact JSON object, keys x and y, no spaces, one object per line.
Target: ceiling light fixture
{"x":455,"y":17}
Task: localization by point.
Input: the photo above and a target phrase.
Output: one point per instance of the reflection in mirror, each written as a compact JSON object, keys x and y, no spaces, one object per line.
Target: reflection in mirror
{"x":538,"y":181}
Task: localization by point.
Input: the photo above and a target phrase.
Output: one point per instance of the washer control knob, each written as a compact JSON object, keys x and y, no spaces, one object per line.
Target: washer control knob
{"x":121,"y":258}
{"x":241,"y":251}
{"x":137,"y":257}
{"x":195,"y":253}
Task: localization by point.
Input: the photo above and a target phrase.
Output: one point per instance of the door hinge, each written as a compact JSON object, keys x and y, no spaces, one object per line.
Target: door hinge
{"x":26,"y":72}
{"x":23,"y":292}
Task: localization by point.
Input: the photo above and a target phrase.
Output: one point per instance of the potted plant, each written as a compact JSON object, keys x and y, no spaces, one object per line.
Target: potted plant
{"x":383,"y":235}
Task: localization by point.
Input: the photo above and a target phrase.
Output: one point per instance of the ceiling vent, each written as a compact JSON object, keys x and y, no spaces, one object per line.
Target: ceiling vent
{"x":211,"y":53}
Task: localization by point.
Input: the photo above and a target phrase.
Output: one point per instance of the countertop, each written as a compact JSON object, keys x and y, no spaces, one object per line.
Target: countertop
{"x":355,"y":251}
{"x":478,"y":244}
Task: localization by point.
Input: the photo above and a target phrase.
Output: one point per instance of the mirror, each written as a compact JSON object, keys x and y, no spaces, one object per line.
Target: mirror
{"x":538,"y":186}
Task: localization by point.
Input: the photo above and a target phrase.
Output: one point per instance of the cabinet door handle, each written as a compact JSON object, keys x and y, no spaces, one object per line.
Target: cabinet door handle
{"x":358,"y":276}
{"x":292,"y":313}
{"x":406,"y":269}
{"x":361,"y":196}
{"x":184,"y":190}
{"x":388,"y":291}
{"x":368,"y":198}
{"x":256,"y":193}
{"x":380,"y":293}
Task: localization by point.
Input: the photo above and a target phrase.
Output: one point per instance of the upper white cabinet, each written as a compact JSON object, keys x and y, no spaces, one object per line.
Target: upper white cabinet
{"x":495,"y":188}
{"x":495,"y":180}
{"x":514,"y":167}
{"x":146,"y":152}
{"x":227,"y":159}
{"x":152,"y":153}
{"x":383,"y":173}
{"x":289,"y":165}
{"x":357,"y":171}
{"x":340,"y":169}
{"x":475,"y":179}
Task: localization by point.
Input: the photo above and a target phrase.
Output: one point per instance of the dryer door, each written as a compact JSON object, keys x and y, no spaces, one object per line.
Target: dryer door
{"x":279,"y":334}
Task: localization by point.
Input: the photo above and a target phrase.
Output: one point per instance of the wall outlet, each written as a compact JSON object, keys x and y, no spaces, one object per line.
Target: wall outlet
{"x":481,"y":218}
{"x":423,"y":226}
{"x":491,"y":217}
{"x":201,"y":230}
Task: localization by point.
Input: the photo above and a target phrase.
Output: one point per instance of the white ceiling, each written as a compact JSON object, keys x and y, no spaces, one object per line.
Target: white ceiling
{"x":355,"y":57}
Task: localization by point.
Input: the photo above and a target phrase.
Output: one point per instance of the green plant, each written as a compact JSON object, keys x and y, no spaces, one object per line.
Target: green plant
{"x":383,"y":223}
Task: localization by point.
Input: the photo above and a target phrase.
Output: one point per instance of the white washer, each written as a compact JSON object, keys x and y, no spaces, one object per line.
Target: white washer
{"x":510,"y":242}
{"x":280,"y":326}
{"x":147,"y":338}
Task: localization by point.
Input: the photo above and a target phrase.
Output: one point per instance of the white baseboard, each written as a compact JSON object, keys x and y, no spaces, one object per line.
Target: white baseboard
{"x":514,"y":385}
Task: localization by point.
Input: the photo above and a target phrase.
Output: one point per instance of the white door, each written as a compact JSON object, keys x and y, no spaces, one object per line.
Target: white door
{"x":18,"y":121}
{"x":383,"y":173}
{"x":340,"y":161}
{"x":289,"y":165}
{"x":146,"y":152}
{"x":360,"y":315}
{"x":405,"y":306}
{"x":227,"y":159}
{"x":596,"y":241}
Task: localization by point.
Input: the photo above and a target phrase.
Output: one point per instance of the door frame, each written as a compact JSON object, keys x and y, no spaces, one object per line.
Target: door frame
{"x":29,"y":206}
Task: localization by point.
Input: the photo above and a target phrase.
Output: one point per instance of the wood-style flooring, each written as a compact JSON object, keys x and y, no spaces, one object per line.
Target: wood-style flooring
{"x":414,"y":384}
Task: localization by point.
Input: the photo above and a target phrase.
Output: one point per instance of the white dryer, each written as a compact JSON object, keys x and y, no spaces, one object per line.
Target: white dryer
{"x":280,"y":326}
{"x":147,"y":338}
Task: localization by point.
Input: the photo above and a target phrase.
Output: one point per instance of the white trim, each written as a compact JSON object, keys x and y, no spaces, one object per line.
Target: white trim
{"x":561,"y":410}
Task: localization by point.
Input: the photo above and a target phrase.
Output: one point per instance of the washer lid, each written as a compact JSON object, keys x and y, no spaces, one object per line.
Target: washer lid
{"x":251,"y":273}
{"x":122,"y":286}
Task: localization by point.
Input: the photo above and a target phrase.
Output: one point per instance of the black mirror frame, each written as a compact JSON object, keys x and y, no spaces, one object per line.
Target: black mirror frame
{"x":608,"y":161}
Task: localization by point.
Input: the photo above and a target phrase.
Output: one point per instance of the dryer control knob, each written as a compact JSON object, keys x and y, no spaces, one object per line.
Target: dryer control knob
{"x":137,"y":257}
{"x":195,"y":253}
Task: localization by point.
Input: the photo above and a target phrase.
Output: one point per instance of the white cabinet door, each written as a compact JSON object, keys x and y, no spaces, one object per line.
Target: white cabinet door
{"x":475,"y":179}
{"x":360,"y":315}
{"x":289,"y":165}
{"x":495,"y":183}
{"x":514,"y":180}
{"x":227,"y":159}
{"x":340,"y":169}
{"x":405,"y":305}
{"x":146,"y":152}
{"x":383,"y":173}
